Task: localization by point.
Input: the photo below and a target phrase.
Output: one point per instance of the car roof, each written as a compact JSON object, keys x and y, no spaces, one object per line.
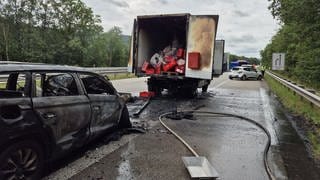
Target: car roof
{"x":6,"y":66}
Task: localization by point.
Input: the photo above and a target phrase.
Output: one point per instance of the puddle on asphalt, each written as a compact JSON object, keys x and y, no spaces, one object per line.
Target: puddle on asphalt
{"x":268,"y":116}
{"x":242,"y":103}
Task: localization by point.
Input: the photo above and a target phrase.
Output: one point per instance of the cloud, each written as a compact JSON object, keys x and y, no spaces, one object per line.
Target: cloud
{"x":163,"y":1}
{"x":247,"y":26}
{"x":241,"y":13}
{"x":119,"y":3}
{"x":247,"y":38}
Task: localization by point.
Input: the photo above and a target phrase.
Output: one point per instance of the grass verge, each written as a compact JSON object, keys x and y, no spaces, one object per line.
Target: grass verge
{"x":120,"y":76}
{"x":299,"y":106}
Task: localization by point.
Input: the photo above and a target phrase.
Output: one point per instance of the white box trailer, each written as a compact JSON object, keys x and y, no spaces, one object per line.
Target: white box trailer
{"x":195,"y":33}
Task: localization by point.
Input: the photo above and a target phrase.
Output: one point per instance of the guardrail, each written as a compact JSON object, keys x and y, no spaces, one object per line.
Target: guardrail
{"x":108,"y":70}
{"x":313,"y":98}
{"x":98,"y":70}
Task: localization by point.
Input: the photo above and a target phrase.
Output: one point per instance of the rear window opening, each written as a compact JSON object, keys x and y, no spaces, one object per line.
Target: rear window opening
{"x":13,"y":85}
{"x":157,"y":33}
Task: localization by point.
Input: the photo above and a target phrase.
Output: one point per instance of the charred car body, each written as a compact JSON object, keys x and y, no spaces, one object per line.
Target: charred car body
{"x":48,"y":110}
{"x":177,"y":51}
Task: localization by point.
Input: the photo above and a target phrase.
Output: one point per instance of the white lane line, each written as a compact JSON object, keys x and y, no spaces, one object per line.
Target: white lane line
{"x":92,"y":157}
{"x":220,"y":84}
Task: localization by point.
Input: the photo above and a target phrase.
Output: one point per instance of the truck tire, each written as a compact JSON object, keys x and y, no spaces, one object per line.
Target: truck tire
{"x":205,"y":88}
{"x":152,"y":87}
{"x":124,"y":119}
{"x":189,"y":92}
{"x":22,"y":160}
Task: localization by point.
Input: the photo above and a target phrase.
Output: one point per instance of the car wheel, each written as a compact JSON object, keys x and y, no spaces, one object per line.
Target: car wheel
{"x":230,"y":78}
{"x":125,"y":119}
{"x":259,"y":78}
{"x":22,"y":160}
{"x":244,"y":77}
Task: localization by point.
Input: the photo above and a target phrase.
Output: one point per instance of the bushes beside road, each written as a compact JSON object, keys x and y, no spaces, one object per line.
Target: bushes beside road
{"x":298,"y":37}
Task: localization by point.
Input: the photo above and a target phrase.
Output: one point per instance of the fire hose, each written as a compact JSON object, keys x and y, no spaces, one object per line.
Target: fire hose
{"x":181,"y":114}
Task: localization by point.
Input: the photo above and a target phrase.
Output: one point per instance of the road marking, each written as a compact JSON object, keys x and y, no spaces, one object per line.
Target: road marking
{"x":220,"y":84}
{"x":92,"y":157}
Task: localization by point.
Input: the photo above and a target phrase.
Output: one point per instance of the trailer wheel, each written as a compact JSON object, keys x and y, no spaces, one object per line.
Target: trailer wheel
{"x":189,"y":92}
{"x":153,"y":87}
{"x":205,"y":88}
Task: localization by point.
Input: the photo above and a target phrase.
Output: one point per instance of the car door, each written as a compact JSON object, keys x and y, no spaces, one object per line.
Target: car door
{"x":62,"y":107}
{"x":104,"y":101}
{"x":247,"y":72}
{"x":253,"y":73}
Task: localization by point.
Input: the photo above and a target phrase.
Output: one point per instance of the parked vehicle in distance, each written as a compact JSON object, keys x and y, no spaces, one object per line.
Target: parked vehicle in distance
{"x":238,"y":63}
{"x":48,"y":110}
{"x":244,"y":73}
{"x":249,"y":66}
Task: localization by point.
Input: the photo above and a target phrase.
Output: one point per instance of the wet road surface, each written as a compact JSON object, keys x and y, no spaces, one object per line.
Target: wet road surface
{"x":234,"y":147}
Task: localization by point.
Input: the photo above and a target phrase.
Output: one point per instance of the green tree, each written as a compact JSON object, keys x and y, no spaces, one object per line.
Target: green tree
{"x":251,"y":60}
{"x":109,"y":49}
{"x":52,"y":31}
{"x":298,"y":37}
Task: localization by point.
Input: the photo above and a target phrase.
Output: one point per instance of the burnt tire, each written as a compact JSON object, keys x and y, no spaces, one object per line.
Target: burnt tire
{"x":125,"y":119}
{"x":22,"y":160}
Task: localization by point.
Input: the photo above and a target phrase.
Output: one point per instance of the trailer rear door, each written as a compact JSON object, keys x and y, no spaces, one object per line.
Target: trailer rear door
{"x":218,"y":58}
{"x":201,"y":38}
{"x":133,"y":48}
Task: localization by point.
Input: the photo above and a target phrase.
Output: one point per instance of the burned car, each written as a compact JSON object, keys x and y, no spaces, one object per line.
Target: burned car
{"x":48,"y":110}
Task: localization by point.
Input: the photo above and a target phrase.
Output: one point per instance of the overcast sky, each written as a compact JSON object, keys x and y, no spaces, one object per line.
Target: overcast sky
{"x":246,"y":25}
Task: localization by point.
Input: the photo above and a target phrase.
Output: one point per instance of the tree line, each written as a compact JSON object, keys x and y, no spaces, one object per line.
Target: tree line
{"x":58,"y":32}
{"x":298,"y":37}
{"x":251,"y":60}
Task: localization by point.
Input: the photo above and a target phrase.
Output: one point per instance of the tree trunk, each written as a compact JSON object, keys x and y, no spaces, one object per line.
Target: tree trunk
{"x":5,"y":37}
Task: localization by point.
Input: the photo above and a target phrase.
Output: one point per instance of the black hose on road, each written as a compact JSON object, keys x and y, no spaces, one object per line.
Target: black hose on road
{"x":266,"y":149}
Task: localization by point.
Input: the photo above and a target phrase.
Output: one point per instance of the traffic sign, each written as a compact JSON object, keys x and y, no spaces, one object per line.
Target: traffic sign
{"x":278,"y":61}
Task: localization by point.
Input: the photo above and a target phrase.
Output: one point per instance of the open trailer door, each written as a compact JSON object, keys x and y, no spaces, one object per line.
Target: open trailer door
{"x":133,"y":48}
{"x":218,"y":59}
{"x":200,"y":46}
